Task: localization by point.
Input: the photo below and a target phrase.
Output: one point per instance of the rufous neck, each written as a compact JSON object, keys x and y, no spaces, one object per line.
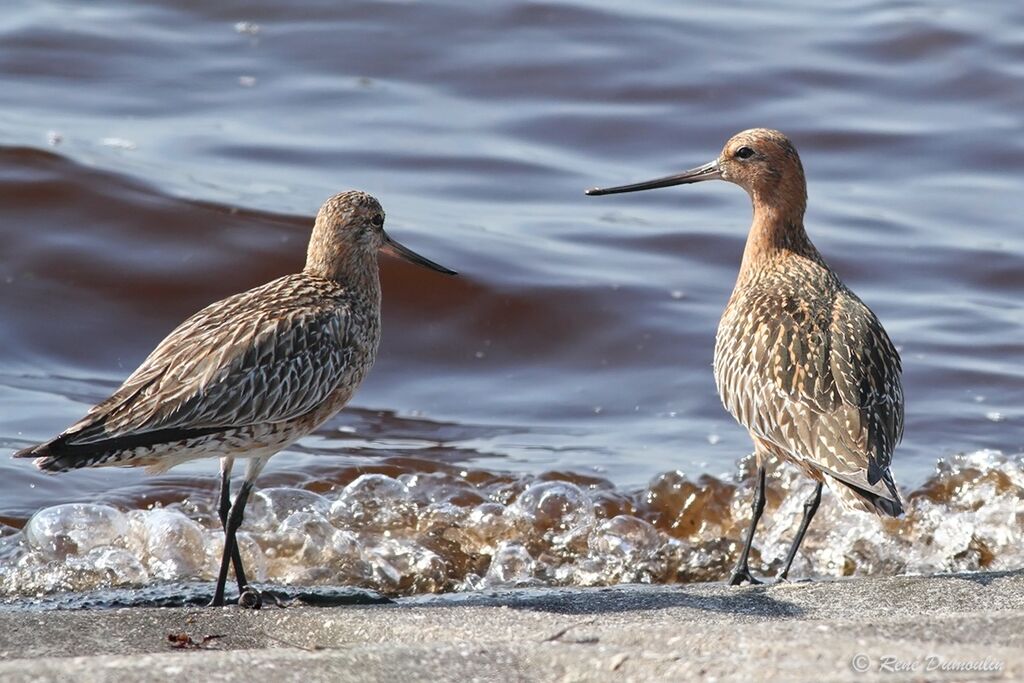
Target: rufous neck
{"x":776,"y":231}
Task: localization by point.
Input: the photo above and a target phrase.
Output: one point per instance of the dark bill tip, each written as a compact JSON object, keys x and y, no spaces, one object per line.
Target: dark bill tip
{"x":393,"y":248}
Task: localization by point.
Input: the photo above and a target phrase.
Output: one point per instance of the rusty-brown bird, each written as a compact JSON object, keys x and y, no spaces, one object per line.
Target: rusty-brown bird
{"x":800,"y":361}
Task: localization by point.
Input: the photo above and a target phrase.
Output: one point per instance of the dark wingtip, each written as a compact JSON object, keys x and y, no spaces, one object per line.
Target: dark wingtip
{"x":49,"y":456}
{"x":593,"y":192}
{"x":30,"y":452}
{"x":44,"y":459}
{"x":892,"y":508}
{"x":874,"y":472}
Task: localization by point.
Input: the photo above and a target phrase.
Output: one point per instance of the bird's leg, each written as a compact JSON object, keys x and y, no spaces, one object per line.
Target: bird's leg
{"x":234,"y":521}
{"x":223,"y":508}
{"x":741,"y":572}
{"x":248,"y":597}
{"x":810,"y":507}
{"x":226,"y":464}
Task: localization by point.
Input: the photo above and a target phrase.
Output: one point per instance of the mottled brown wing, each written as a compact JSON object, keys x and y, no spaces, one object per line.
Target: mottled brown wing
{"x":821,"y":382}
{"x":866,"y":369}
{"x":220,"y":368}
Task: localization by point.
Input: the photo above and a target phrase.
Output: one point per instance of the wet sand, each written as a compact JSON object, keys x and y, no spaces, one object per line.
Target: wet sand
{"x":805,"y":631}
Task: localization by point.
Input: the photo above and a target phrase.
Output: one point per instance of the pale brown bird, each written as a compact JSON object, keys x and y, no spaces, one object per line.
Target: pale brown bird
{"x":250,"y":374}
{"x":800,"y":361}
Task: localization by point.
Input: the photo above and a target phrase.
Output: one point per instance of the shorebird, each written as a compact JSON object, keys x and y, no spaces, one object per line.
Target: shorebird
{"x":800,"y":361}
{"x":250,"y":374}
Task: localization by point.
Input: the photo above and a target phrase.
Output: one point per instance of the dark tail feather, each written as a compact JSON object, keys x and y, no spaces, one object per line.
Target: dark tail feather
{"x":60,"y":454}
{"x":48,"y":461}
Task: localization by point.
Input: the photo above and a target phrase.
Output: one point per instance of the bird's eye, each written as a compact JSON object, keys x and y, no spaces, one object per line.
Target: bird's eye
{"x":744,"y":153}
{"x":377,"y":220}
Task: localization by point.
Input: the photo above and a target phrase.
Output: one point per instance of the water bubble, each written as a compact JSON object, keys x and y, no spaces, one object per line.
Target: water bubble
{"x":306,"y":537}
{"x":626,"y":537}
{"x":436,"y":487}
{"x":175,"y":545}
{"x":304,"y":549}
{"x":686,"y":508}
{"x":511,"y":565}
{"x":471,"y":582}
{"x":74,"y":529}
{"x":625,"y":548}
{"x":267,"y":508}
{"x":405,"y":567}
{"x":374,"y":502}
{"x":559,"y":511}
{"x":122,"y":568}
{"x":253,"y":558}
{"x":488,"y":524}
{"x":349,"y":566}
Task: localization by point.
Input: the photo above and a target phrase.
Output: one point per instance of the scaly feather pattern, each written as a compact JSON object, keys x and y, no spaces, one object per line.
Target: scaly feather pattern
{"x":804,"y":365}
{"x":270,"y":355}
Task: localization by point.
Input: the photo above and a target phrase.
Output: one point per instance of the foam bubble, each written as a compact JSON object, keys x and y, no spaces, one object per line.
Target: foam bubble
{"x":511,"y":565}
{"x":558,"y":512}
{"x":457,"y":530}
{"x":175,"y":546}
{"x":374,"y":502}
{"x":74,"y":529}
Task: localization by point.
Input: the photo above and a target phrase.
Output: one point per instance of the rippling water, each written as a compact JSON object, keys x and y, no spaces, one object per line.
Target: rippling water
{"x":155,"y":157}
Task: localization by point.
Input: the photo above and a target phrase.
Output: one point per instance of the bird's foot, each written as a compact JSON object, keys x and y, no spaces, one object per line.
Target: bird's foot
{"x":250,"y":598}
{"x":742,"y":576}
{"x":785,"y":579}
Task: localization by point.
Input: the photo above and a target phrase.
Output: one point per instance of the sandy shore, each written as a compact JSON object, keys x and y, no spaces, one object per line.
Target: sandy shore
{"x":825,"y":631}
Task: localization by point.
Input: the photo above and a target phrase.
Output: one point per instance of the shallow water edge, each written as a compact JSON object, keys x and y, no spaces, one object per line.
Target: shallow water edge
{"x":410,"y":527}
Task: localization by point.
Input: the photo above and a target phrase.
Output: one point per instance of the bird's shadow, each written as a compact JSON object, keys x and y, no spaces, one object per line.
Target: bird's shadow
{"x":985,"y":578}
{"x":755,"y":601}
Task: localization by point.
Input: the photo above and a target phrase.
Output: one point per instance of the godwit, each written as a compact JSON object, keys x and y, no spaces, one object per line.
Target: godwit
{"x":250,"y":374}
{"x":800,"y":361}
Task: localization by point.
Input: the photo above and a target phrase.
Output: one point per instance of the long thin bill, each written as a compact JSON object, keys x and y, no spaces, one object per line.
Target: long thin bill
{"x":710,"y":171}
{"x":393,"y":248}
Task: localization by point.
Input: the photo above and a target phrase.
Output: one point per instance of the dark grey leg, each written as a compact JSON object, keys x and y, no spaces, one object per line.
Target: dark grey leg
{"x":234,"y":520}
{"x":810,"y":507}
{"x":223,"y":510}
{"x":741,"y":572}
